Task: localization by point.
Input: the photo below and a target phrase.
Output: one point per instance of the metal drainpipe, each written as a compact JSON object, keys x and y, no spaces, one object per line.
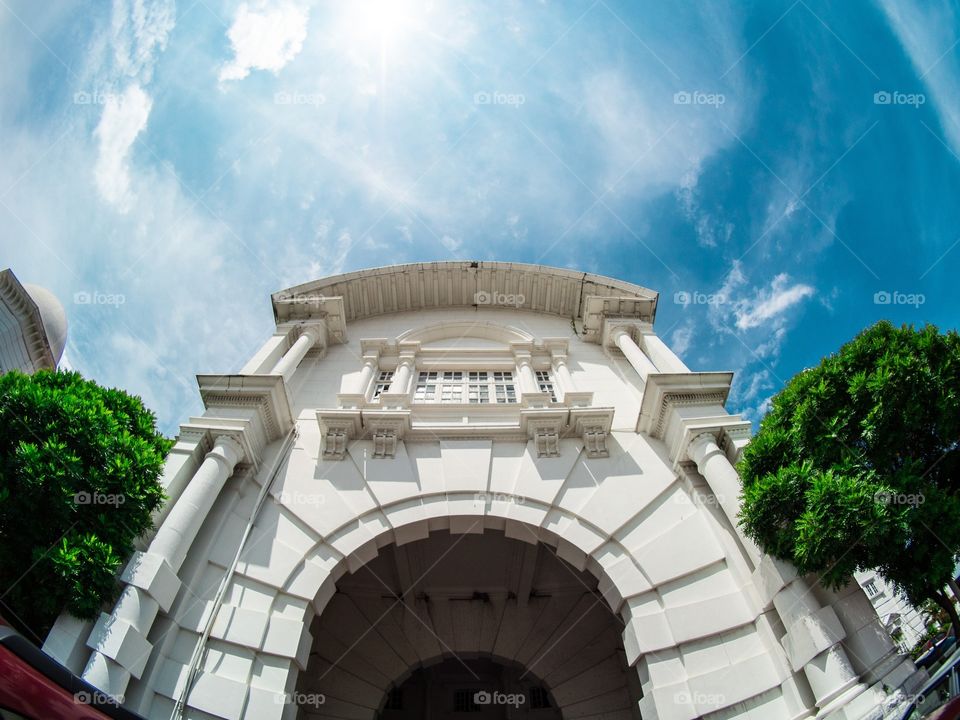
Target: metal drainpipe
{"x":198,"y":651}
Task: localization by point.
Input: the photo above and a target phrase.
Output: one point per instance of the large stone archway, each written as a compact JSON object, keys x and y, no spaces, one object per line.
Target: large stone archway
{"x":467,"y":614}
{"x":573,"y":429}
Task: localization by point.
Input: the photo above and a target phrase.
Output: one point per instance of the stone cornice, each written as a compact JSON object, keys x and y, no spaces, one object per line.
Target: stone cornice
{"x":410,"y":288}
{"x":669,"y":412}
{"x":262,"y":397}
{"x":289,"y":305}
{"x":666,"y":391}
{"x":603,"y":314}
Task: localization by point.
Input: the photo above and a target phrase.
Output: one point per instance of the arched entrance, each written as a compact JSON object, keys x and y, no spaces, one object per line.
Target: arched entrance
{"x":470,"y":623}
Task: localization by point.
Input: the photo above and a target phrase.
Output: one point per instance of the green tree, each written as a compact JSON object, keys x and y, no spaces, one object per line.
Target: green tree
{"x":80,"y":470}
{"x":856,"y":464}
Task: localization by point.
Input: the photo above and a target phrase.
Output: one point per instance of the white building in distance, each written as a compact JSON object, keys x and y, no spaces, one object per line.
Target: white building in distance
{"x":33,"y":326}
{"x":470,"y":487}
{"x":905,"y":623}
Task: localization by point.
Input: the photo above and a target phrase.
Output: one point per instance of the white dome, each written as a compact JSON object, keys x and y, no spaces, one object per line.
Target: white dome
{"x":54,"y":318}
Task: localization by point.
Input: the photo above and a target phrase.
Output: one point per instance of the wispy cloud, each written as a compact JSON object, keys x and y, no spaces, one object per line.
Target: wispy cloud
{"x":770,"y":303}
{"x":124,"y":117}
{"x":928,"y":32}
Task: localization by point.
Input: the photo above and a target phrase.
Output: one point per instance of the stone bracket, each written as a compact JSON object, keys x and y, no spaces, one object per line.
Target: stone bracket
{"x":544,"y":426}
{"x":593,"y":425}
{"x":338,"y":428}
{"x":386,"y":429}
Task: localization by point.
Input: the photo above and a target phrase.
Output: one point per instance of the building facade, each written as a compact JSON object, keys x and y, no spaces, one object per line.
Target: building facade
{"x":470,"y":487}
{"x":906,"y":624}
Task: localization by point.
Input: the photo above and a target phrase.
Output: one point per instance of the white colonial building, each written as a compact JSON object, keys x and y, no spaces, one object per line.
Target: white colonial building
{"x":470,"y":487}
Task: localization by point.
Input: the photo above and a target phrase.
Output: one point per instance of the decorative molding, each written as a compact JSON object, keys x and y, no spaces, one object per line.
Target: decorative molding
{"x":669,"y":401}
{"x":593,"y":426}
{"x":338,"y":428}
{"x":386,"y":428}
{"x":544,"y":426}
{"x":506,"y":334}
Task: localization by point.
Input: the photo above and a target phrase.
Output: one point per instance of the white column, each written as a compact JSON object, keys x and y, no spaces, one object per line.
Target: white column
{"x":288,"y":364}
{"x":641,"y":363}
{"x":562,"y":373}
{"x":724,"y":481}
{"x":137,"y":609}
{"x":370,"y":364}
{"x":528,"y":381}
{"x":178,"y":531}
{"x":266,"y":357}
{"x":661,"y":354}
{"x":401,"y":378}
{"x":814,"y":633}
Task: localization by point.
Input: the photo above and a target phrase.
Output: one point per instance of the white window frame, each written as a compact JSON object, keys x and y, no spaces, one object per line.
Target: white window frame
{"x":545,"y":384}
{"x":466,"y":387}
{"x":381,"y":384}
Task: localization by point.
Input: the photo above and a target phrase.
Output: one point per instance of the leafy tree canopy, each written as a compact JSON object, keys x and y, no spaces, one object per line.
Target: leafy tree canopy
{"x":80,"y":469}
{"x":856,"y":464}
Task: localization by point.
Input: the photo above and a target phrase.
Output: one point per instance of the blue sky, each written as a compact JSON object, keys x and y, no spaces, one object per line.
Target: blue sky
{"x":776,"y":169}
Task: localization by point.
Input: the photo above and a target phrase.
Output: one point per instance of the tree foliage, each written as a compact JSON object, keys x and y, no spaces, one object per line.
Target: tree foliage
{"x":80,"y":470}
{"x":856,"y":464}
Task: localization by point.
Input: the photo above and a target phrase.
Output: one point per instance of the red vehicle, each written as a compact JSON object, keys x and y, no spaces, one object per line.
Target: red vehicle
{"x":34,"y":686}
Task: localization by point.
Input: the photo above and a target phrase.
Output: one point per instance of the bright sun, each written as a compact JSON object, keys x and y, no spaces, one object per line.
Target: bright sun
{"x":380,"y":23}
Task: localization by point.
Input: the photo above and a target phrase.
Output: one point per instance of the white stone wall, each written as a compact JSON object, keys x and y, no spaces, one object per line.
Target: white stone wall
{"x":709,"y":629}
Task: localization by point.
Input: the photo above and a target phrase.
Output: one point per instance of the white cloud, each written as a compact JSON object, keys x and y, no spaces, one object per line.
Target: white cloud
{"x":927,"y":33}
{"x":452,"y":244}
{"x":770,"y":304}
{"x":124,"y":117}
{"x":264,"y":39}
{"x":681,"y":339}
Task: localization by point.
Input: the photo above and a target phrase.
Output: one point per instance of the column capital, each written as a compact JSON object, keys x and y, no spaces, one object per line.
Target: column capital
{"x":613,"y":331}
{"x":374,"y":346}
{"x":407,"y":358}
{"x":523,"y":358}
{"x":702,"y":445}
{"x":227,"y":449}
